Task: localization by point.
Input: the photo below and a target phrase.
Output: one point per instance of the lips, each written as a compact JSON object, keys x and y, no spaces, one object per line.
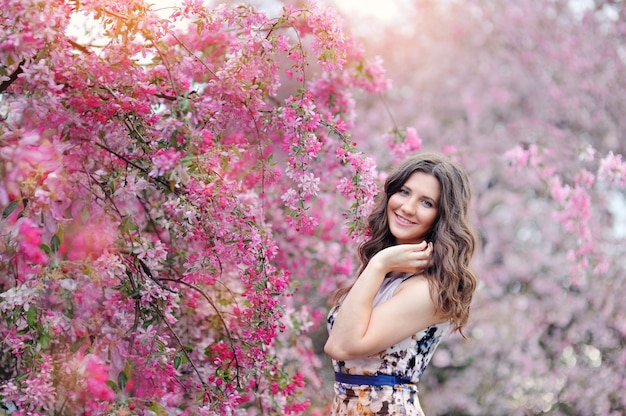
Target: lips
{"x":403,"y":221}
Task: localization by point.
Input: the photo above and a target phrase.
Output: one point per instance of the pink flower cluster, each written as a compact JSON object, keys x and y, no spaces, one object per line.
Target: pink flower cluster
{"x":164,"y":160}
{"x":574,"y":202}
{"x":403,"y":143}
{"x":96,"y":375}
{"x":612,"y":170}
{"x":30,"y":242}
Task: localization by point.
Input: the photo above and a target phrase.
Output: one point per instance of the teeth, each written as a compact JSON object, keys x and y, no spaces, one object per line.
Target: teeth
{"x":403,"y":221}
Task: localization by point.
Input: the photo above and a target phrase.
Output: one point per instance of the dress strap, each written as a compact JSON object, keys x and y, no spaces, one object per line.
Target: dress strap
{"x":377,"y":380}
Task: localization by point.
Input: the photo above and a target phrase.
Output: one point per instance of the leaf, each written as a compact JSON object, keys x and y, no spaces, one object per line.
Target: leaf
{"x":122,"y":380}
{"x":55,"y":243}
{"x":10,"y":208}
{"x":127,"y":224}
{"x":147,"y":323}
{"x":158,"y":409}
{"x":45,"y":248}
{"x":113,"y":386}
{"x":31,"y":317}
{"x":199,"y":26}
{"x":177,"y":361}
{"x":44,"y":339}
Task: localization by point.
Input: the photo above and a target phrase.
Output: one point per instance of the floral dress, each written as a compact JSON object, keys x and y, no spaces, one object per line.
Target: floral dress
{"x":407,"y":359}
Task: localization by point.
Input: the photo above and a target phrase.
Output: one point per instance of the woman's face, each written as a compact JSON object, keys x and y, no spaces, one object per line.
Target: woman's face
{"x":412,"y":210}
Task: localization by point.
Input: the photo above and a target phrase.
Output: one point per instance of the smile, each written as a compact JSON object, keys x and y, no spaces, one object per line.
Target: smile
{"x":402,"y":220}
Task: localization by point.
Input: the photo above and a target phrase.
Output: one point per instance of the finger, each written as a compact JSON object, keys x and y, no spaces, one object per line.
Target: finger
{"x":429,"y":248}
{"x":419,"y":246}
{"x":422,"y":263}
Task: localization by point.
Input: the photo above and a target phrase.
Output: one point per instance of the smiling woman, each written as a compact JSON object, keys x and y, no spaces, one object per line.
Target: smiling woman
{"x":413,"y":286}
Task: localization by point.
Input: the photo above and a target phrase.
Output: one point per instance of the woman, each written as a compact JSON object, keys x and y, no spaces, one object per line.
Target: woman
{"x":414,"y":284}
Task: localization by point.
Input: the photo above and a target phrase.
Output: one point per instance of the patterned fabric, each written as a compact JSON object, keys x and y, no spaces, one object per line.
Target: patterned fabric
{"x":407,"y":359}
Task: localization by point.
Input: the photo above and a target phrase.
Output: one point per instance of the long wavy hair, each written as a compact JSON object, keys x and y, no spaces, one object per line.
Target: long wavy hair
{"x":451,"y":282}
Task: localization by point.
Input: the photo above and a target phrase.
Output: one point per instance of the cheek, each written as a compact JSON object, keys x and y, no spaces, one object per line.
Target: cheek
{"x":392,"y":203}
{"x":432,"y":217}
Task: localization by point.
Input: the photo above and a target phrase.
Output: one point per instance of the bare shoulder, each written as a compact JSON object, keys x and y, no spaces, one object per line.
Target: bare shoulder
{"x":415,"y":294}
{"x":416,"y":284}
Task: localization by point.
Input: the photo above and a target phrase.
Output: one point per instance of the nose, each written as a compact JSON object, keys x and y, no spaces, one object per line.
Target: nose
{"x":409,"y":207}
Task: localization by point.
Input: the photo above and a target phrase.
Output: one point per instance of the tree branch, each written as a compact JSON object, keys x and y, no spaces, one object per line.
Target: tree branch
{"x":12,"y":77}
{"x":136,"y":166}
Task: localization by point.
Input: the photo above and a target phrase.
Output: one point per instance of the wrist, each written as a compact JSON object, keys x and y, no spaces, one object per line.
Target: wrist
{"x":377,"y":265}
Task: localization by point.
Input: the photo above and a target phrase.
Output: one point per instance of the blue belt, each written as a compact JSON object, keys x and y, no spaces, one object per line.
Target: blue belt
{"x":378,"y":380}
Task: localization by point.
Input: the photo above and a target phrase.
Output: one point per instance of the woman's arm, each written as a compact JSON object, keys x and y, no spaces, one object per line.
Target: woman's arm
{"x":360,"y":329}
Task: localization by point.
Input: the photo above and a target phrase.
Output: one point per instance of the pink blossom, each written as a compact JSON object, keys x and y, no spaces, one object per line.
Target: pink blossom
{"x":164,"y":160}
{"x":30,"y":241}
{"x":89,"y":240}
{"x":96,"y":376}
{"x":612,"y":170}
{"x":585,"y":179}
{"x":587,"y":153}
{"x":412,"y":139}
{"x":403,"y":143}
{"x":374,"y":77}
{"x":518,"y":157}
{"x":557,"y":190}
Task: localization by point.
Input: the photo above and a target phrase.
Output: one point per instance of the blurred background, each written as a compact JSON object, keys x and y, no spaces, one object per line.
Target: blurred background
{"x":529,"y":97}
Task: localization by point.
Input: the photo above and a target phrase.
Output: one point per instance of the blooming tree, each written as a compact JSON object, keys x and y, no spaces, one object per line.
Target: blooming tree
{"x":167,"y":183}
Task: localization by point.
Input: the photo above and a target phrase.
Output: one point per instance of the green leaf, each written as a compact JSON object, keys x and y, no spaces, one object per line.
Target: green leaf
{"x":45,"y":248}
{"x":44,"y":339}
{"x":113,"y":386}
{"x":127,"y":224}
{"x":147,"y":323}
{"x":158,"y":409}
{"x":122,"y":380}
{"x":31,"y":317}
{"x":21,"y":378}
{"x":55,"y":243}
{"x":177,"y":361}
{"x":135,"y":293}
{"x":10,"y":208}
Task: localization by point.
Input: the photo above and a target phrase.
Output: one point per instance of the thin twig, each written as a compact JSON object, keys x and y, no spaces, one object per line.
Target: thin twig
{"x":192,"y":54}
{"x":136,"y":166}
{"x":12,"y":77}
{"x":393,"y":121}
{"x":219,"y":315}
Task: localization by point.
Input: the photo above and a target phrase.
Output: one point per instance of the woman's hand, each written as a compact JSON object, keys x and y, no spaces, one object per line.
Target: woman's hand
{"x":360,"y":329}
{"x":408,"y":258}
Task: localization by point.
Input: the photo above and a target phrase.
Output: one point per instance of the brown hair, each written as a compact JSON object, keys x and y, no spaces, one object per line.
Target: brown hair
{"x":451,"y":281}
